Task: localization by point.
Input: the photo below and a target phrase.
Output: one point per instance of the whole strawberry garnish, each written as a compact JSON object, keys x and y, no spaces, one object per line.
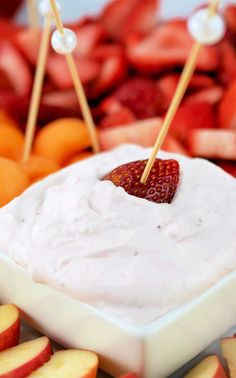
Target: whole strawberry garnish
{"x":160,"y":186}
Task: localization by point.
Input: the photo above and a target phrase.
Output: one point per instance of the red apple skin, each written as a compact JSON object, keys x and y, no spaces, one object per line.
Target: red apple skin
{"x":10,"y":337}
{"x":92,"y":373}
{"x":69,"y":363}
{"x":129,"y":375}
{"x":220,"y":373}
{"x":228,"y":348}
{"x":24,"y":370}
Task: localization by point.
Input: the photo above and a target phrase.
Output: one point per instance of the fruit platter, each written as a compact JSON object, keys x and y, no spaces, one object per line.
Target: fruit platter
{"x":118,"y":191}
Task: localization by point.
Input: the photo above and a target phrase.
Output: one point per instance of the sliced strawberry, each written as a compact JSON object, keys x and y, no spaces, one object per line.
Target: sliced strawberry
{"x":140,"y":95}
{"x":121,"y":18}
{"x":83,"y":21}
{"x":64,"y":99}
{"x":114,"y":16}
{"x":28,"y":42}
{"x":171,"y":144}
{"x":213,"y":143}
{"x":50,"y":108}
{"x":167,"y":46}
{"x":89,"y":36}
{"x":58,"y":72}
{"x":48,"y":112}
{"x":142,"y":132}
{"x":122,"y":117}
{"x":141,"y":19}
{"x":161,"y":183}
{"x":15,"y":69}
{"x":16,"y":106}
{"x":167,"y":85}
{"x":230,"y":17}
{"x":200,"y":81}
{"x":110,"y":105}
{"x":227,"y":70}
{"x":5,"y":81}
{"x":228,"y":167}
{"x":113,"y":70}
{"x":129,"y":375}
{"x":210,"y":95}
{"x":9,"y":8}
{"x":192,"y":116}
{"x":8,"y":29}
{"x":59,"y":104}
{"x":227,"y":108}
{"x":107,"y":50}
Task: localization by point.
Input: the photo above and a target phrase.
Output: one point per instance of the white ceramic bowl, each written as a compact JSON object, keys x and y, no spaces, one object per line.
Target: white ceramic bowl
{"x":155,"y":350}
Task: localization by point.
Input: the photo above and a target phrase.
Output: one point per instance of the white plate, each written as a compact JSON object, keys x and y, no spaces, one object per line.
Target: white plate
{"x":155,"y":350}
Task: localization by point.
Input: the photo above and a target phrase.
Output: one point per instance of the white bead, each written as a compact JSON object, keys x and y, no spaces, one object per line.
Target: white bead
{"x":64,"y":44}
{"x":44,"y":7}
{"x":206,"y":29}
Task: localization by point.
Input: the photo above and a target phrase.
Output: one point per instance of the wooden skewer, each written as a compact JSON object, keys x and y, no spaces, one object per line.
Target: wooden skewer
{"x":77,"y":84}
{"x":83,"y":102}
{"x":33,"y":16}
{"x":178,"y":96}
{"x":57,"y":17}
{"x":37,"y":88}
{"x":214,"y":5}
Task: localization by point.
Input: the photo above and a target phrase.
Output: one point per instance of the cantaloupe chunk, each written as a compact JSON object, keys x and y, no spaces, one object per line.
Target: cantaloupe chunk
{"x":13,"y":181}
{"x":61,"y":139}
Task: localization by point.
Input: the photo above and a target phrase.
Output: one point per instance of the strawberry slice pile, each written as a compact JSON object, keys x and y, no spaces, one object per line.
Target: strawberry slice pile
{"x":9,"y":8}
{"x":161,"y":183}
{"x":129,"y":63}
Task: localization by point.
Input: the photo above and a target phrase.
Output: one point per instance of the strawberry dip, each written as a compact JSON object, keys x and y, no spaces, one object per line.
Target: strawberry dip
{"x":132,"y":258}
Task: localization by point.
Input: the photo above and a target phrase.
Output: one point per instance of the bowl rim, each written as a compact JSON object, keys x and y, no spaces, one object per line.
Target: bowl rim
{"x":139,"y":331}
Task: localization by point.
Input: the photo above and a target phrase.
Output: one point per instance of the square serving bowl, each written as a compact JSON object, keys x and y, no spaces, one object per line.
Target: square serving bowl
{"x":154,"y":350}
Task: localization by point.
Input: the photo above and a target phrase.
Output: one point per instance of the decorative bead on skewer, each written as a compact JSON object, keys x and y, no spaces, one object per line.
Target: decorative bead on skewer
{"x":64,"y":42}
{"x":44,"y":7}
{"x":206,"y":27}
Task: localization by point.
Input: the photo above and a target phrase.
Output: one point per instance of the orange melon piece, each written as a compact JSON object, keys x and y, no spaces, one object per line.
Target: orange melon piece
{"x":38,"y":167}
{"x":6,"y":120}
{"x":61,"y":139}
{"x":13,"y":181}
{"x":11,"y":142}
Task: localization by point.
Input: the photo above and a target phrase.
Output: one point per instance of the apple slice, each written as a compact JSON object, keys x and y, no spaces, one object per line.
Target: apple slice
{"x":21,"y":360}
{"x":210,"y":367}
{"x":15,"y":69}
{"x":9,"y":326}
{"x":72,"y":363}
{"x":228,"y":347}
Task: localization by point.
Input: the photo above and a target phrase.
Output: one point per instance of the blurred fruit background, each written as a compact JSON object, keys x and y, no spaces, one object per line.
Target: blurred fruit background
{"x":129,"y":57}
